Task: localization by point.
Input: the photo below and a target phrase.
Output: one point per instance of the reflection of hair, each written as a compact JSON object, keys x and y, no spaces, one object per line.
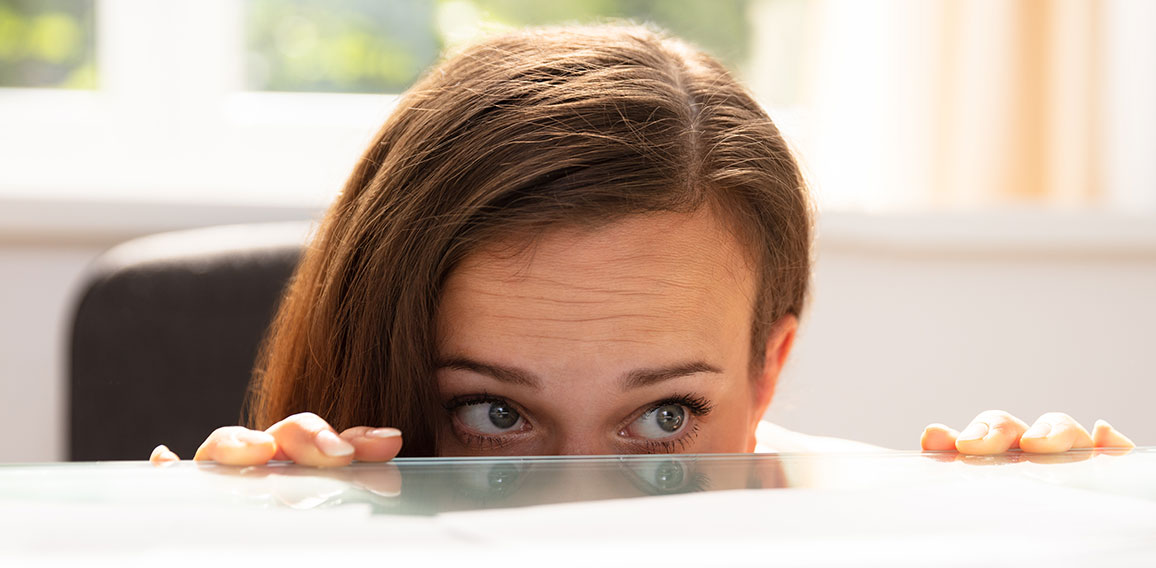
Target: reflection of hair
{"x":519,"y":133}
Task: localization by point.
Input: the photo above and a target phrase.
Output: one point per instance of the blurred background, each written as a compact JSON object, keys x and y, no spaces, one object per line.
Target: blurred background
{"x":985,"y":173}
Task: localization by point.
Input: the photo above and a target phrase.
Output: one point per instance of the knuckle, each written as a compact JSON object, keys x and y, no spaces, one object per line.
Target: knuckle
{"x":354,"y":432}
{"x":300,"y":423}
{"x":224,"y":432}
{"x":1056,"y":418}
{"x":993,"y":417}
{"x":307,"y":421}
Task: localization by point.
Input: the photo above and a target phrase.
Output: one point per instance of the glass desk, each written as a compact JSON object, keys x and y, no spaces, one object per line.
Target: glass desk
{"x":886,"y":508}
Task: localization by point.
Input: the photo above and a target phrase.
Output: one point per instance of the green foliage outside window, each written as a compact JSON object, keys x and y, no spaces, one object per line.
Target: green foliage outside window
{"x":47,"y":43}
{"x":375,"y":46}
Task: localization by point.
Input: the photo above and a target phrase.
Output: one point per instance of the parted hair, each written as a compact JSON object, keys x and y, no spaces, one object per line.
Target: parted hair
{"x":517,"y":134}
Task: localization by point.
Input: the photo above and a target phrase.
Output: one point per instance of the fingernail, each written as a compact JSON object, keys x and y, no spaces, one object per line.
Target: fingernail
{"x":333,"y":446}
{"x":1038,"y":431}
{"x":973,"y":432}
{"x":383,"y":433}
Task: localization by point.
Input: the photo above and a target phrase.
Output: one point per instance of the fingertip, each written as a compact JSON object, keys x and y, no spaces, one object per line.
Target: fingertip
{"x":979,"y":439}
{"x":333,"y":445}
{"x":975,"y":447}
{"x":235,"y":445}
{"x":1039,"y":439}
{"x":975,"y":440}
{"x":162,"y":455}
{"x":938,"y":437}
{"x":1106,"y":436}
{"x":257,"y":454}
{"x":383,"y":433}
{"x":377,"y":445}
{"x":307,"y":439}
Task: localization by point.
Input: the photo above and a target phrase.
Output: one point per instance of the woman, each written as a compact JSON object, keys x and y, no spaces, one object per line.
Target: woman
{"x":562,"y":241}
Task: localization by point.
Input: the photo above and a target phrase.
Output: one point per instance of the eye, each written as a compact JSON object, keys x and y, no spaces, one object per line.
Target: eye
{"x":662,"y":421}
{"x":489,"y":416}
{"x":664,"y":477}
{"x":499,"y":481}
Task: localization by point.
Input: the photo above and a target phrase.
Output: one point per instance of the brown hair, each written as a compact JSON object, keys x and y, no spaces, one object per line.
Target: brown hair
{"x":512,"y":136}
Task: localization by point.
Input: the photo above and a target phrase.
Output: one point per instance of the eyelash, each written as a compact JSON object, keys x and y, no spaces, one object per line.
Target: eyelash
{"x":697,"y":405}
{"x":481,"y":441}
{"x":466,"y":400}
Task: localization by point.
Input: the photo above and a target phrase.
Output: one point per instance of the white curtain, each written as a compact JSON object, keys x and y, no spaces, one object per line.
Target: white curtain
{"x":980,"y":103}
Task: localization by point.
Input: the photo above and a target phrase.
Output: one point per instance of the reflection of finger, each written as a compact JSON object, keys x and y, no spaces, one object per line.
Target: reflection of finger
{"x":938,"y":438}
{"x":384,"y":480}
{"x":988,"y":460}
{"x":373,"y":444}
{"x":1055,"y":432}
{"x":945,"y":457}
{"x":235,"y":445}
{"x":163,"y":455}
{"x":992,"y":432}
{"x":1064,"y":457}
{"x":309,"y":440}
{"x":1105,"y":436}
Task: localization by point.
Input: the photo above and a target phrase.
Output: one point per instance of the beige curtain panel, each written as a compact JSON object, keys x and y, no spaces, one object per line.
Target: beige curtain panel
{"x":982,"y":102}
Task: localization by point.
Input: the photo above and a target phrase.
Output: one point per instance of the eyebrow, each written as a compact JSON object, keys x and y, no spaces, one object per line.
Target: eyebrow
{"x":635,"y":379}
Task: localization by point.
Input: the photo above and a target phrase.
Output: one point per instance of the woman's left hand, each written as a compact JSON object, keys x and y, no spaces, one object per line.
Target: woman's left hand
{"x":996,"y":431}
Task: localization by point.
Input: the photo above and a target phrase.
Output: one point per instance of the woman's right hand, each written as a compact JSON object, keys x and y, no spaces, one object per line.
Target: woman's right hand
{"x":304,"y":438}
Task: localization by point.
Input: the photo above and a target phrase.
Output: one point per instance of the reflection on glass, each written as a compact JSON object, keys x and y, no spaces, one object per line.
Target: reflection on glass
{"x":47,"y":43}
{"x":431,"y":486}
{"x":490,"y":483}
{"x":668,"y":477}
{"x":369,"y":46}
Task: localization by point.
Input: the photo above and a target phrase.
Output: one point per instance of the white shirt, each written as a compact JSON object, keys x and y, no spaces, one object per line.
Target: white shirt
{"x":772,"y":438}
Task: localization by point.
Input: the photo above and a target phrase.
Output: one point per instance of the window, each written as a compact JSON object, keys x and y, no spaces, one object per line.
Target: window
{"x":47,"y":43}
{"x":890,"y":104}
{"x":366,"y":46}
{"x":263,"y":101}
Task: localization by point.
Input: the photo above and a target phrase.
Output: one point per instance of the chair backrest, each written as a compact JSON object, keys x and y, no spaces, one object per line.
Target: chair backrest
{"x":166,"y":332}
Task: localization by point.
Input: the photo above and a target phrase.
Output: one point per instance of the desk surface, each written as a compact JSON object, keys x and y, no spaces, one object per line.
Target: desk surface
{"x":809,"y":509}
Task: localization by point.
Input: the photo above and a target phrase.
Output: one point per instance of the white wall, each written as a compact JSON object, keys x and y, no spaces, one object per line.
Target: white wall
{"x":918,"y":320}
{"x":915,"y":319}
{"x":45,"y":248}
{"x":36,"y":284}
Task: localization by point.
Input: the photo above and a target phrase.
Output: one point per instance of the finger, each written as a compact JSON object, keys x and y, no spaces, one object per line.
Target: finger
{"x":309,"y":440}
{"x":373,"y":444}
{"x":162,"y":455}
{"x":1055,"y":432}
{"x":235,"y":445}
{"x":1105,"y":436}
{"x":938,"y":438}
{"x":992,"y":432}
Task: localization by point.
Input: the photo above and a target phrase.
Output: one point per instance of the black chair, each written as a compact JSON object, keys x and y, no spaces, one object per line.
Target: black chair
{"x":165,"y":334}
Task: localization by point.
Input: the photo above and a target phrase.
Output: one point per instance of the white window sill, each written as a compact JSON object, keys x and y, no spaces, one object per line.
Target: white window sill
{"x":67,"y":220}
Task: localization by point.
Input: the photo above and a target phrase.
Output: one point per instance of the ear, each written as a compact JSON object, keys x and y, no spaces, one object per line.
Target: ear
{"x":779,"y":343}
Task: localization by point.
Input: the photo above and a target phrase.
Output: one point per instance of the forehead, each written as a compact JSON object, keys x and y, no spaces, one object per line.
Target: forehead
{"x":656,"y":286}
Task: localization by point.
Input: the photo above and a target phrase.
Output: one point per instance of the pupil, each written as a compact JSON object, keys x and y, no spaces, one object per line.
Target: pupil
{"x":670,"y":417}
{"x":502,"y":416}
{"x":502,"y":478}
{"x":668,"y":476}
